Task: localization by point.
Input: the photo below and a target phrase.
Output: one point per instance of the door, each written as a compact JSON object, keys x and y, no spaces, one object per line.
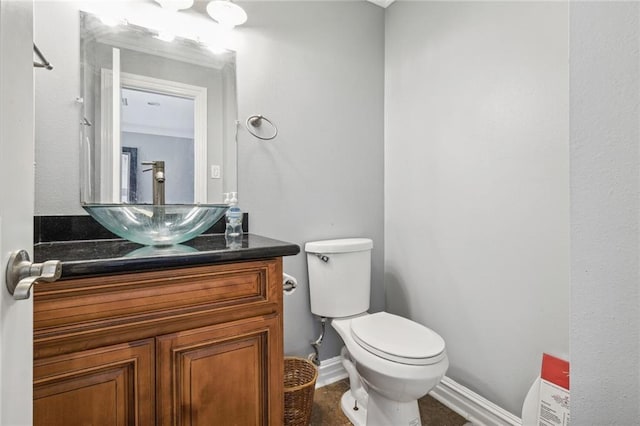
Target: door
{"x":223,"y":374}
{"x":108,"y":386}
{"x":16,"y":205}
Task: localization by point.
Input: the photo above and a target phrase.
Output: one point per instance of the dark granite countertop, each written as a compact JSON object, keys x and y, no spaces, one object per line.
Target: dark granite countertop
{"x":103,"y":257}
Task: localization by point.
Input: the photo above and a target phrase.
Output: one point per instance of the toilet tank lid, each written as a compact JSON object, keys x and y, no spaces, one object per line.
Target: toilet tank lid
{"x":344,"y":245}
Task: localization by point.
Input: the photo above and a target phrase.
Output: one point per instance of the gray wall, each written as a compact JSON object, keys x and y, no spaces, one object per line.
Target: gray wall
{"x":57,"y":168}
{"x":315,"y":69}
{"x":476,"y":184}
{"x":177,"y":154}
{"x":605,"y":132}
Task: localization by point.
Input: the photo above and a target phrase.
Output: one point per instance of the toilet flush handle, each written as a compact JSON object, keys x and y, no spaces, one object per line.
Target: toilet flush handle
{"x":323,"y":257}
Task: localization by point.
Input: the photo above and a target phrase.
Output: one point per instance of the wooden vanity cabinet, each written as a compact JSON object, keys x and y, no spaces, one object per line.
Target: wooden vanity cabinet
{"x":191,"y":346}
{"x":100,"y":387}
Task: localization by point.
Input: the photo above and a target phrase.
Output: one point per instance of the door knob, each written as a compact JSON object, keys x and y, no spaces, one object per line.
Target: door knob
{"x":21,"y":274}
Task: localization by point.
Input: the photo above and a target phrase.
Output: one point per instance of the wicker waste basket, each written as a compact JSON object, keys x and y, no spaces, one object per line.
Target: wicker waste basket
{"x":299,"y":383}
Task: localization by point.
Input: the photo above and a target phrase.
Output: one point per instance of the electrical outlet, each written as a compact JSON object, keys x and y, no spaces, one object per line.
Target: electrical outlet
{"x":215,"y":172}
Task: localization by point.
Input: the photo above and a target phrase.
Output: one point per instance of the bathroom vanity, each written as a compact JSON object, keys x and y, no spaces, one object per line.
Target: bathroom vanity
{"x":133,"y":335}
{"x":159,"y":337}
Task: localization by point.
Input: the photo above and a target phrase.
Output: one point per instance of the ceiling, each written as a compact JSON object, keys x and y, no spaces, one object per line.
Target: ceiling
{"x":381,"y":3}
{"x":157,"y":114}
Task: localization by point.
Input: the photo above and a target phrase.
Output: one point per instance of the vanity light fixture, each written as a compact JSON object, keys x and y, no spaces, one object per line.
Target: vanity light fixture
{"x":226,"y":13}
{"x":175,"y":4}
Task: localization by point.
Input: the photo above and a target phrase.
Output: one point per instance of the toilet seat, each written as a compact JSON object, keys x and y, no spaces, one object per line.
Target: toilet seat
{"x":397,"y":339}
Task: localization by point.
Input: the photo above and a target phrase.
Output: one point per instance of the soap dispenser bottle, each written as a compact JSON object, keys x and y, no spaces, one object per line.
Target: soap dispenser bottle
{"x":233,"y":231}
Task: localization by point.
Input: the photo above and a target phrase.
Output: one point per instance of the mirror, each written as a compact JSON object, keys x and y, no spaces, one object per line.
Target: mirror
{"x":147,"y":98}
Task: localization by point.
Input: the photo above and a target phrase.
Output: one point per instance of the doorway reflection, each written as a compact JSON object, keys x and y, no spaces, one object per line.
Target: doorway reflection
{"x":157,"y":126}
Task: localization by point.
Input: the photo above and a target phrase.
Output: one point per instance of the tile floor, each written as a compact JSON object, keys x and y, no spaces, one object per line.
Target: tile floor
{"x":327,"y":412}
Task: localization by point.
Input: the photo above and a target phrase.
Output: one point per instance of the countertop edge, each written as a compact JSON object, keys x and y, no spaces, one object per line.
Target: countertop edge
{"x":261,"y":248}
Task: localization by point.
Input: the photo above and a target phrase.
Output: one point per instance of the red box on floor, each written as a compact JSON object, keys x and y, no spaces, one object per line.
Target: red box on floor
{"x":554,"y":392}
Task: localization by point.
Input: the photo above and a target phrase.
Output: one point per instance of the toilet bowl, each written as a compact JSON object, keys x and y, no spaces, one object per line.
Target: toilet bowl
{"x":395,"y":376}
{"x":391,"y":361}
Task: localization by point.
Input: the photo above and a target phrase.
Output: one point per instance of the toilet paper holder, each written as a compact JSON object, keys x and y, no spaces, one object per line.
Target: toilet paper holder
{"x":289,"y":283}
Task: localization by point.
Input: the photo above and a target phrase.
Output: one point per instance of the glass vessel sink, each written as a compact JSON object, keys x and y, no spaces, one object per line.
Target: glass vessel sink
{"x":157,"y":225}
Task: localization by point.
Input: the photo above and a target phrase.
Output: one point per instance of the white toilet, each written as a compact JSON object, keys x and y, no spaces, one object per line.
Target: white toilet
{"x":391,"y":360}
{"x":531,"y":405}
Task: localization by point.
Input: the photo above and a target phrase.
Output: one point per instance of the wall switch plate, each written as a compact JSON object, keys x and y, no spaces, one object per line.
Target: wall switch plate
{"x":215,"y":172}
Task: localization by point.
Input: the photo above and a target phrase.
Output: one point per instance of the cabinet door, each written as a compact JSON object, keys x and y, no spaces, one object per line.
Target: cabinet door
{"x":227,"y":374}
{"x":111,"y":386}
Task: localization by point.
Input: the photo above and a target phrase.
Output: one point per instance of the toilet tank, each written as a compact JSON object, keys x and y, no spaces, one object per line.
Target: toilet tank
{"x":339,"y":276}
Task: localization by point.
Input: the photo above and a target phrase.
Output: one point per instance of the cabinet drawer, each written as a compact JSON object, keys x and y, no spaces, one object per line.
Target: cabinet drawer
{"x":135,"y":306}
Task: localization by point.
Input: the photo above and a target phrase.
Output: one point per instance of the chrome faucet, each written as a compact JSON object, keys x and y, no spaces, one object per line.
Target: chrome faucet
{"x":157,"y":170}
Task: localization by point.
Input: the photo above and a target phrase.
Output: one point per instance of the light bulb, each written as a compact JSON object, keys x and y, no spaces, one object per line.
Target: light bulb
{"x":226,"y":13}
{"x":175,"y":4}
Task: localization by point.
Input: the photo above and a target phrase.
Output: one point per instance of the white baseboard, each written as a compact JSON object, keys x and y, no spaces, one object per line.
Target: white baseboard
{"x":330,"y":371}
{"x":473,"y":407}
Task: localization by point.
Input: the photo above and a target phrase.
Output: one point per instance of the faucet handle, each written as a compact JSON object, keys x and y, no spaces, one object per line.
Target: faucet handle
{"x":156,"y":164}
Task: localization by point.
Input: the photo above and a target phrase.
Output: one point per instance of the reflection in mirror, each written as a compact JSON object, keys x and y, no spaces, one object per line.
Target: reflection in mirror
{"x":157,"y":126}
{"x":144,"y":100}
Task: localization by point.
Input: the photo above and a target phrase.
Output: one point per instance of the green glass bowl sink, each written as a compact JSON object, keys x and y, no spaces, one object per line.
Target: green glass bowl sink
{"x":157,"y":225}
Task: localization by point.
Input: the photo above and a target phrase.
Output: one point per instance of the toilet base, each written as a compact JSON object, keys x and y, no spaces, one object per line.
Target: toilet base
{"x":357,"y":417}
{"x":380,"y":411}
